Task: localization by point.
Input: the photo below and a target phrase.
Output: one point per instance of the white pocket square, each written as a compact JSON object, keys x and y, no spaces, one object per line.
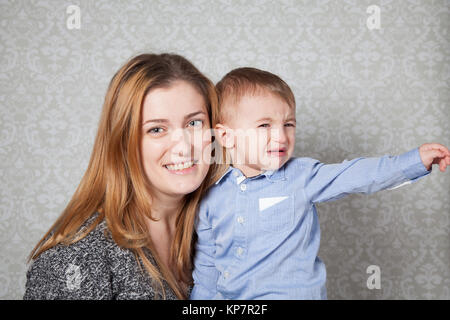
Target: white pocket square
{"x":265,"y":203}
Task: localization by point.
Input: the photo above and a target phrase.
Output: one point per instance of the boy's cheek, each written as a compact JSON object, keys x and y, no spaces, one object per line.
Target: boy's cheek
{"x":252,"y":153}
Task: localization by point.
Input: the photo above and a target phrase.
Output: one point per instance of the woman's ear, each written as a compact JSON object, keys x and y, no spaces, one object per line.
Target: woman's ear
{"x":224,"y":135}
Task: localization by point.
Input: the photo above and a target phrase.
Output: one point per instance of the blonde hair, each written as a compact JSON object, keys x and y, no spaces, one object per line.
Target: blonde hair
{"x":248,"y":81}
{"x":115,"y":184}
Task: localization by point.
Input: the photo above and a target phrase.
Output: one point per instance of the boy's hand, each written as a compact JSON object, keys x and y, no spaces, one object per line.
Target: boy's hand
{"x":434,"y":153}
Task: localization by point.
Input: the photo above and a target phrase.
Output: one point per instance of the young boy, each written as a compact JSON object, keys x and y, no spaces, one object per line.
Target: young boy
{"x":258,"y":232}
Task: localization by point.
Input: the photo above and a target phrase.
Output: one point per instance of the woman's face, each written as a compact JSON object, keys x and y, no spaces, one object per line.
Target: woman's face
{"x":176,"y":139}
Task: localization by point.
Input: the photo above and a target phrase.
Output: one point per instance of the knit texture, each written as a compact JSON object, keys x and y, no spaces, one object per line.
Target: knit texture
{"x":93,"y":268}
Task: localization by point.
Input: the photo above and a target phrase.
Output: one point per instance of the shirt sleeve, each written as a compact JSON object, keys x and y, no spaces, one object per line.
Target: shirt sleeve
{"x":325,"y":182}
{"x":205,"y":274}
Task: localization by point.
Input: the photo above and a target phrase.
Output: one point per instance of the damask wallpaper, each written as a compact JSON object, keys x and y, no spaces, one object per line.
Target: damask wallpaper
{"x":370,"y":78}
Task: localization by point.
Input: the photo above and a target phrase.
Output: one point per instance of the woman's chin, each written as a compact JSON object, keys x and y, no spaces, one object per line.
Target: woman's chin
{"x":185,"y":181}
{"x":181,"y":189}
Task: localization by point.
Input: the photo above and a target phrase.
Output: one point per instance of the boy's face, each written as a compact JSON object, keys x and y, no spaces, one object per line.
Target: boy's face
{"x":262,"y":135}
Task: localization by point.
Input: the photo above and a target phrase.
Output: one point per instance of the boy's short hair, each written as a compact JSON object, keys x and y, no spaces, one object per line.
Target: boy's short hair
{"x":248,"y":81}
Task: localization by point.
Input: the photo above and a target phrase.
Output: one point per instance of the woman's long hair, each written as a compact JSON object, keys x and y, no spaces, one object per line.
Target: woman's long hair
{"x":115,"y":184}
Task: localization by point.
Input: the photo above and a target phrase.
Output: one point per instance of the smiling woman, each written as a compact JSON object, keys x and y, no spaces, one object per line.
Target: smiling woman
{"x":127,"y":232}
{"x":173,"y":142}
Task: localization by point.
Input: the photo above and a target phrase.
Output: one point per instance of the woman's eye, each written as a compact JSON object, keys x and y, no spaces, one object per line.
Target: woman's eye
{"x":155,"y":130}
{"x":264,"y":125}
{"x":196,"y":123}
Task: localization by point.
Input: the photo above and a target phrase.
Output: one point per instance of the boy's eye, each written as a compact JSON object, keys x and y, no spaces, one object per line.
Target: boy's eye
{"x":289,"y":125}
{"x":264,"y":125}
{"x":196,"y":123}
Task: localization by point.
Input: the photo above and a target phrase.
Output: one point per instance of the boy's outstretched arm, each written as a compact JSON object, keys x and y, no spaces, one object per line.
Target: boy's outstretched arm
{"x":325,"y":182}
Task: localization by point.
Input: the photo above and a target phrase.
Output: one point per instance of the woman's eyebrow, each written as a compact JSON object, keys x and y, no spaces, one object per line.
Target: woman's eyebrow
{"x":190,"y":115}
{"x":193,"y":114}
{"x":156,"y":120}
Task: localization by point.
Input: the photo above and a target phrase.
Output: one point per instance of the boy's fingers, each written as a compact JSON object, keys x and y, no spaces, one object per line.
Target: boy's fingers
{"x":435,"y":153}
{"x":437,"y":146}
{"x":442,"y":165}
{"x":445,"y":162}
{"x":440,"y":147}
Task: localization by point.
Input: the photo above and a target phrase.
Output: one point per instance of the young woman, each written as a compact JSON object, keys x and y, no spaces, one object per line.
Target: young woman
{"x":128,"y":231}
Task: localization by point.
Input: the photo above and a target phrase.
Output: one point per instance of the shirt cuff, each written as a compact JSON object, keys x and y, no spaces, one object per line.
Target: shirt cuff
{"x":412,"y":166}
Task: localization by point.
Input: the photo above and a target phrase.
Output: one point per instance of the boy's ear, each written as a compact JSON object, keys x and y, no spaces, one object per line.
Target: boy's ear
{"x":224,"y":135}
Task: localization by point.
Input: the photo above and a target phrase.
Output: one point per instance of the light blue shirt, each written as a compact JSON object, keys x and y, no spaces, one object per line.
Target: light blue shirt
{"x":258,"y":237}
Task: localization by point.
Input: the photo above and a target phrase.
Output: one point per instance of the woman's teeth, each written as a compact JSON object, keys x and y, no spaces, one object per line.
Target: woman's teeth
{"x":180,"y":166}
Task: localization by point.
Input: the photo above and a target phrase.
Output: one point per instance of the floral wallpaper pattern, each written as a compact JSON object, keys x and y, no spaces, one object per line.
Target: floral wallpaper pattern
{"x":370,"y":78}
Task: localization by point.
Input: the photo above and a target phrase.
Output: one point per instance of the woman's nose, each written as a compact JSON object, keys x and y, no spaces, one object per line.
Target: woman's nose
{"x":182,"y":144}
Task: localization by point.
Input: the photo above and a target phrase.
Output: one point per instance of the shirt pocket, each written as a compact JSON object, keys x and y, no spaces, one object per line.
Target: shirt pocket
{"x":276,"y":214}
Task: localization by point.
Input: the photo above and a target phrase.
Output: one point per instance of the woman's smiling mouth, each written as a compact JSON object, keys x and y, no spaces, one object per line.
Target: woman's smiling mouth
{"x":181,"y":167}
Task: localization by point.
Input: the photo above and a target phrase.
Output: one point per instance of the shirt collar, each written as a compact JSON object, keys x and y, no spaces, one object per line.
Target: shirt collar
{"x":230,"y":168}
{"x":275,"y":175}
{"x":271,"y":175}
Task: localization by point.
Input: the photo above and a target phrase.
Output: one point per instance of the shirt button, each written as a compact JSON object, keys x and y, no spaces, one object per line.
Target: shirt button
{"x":240,"y":220}
{"x":235,"y":173}
{"x":226,"y":274}
{"x":243,"y":187}
{"x":240,"y":251}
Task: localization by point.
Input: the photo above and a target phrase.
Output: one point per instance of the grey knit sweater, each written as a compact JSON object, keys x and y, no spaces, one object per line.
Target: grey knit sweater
{"x":92,"y":268}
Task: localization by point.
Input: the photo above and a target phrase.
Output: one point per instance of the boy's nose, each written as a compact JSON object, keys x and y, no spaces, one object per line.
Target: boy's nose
{"x":279,"y":135}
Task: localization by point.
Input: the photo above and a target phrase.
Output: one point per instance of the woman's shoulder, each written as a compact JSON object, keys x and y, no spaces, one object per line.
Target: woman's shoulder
{"x":95,"y":246}
{"x":94,"y":267}
{"x":61,"y":270}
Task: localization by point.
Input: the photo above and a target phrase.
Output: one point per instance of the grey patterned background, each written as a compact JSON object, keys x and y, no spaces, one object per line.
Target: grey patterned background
{"x":360,"y":92}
